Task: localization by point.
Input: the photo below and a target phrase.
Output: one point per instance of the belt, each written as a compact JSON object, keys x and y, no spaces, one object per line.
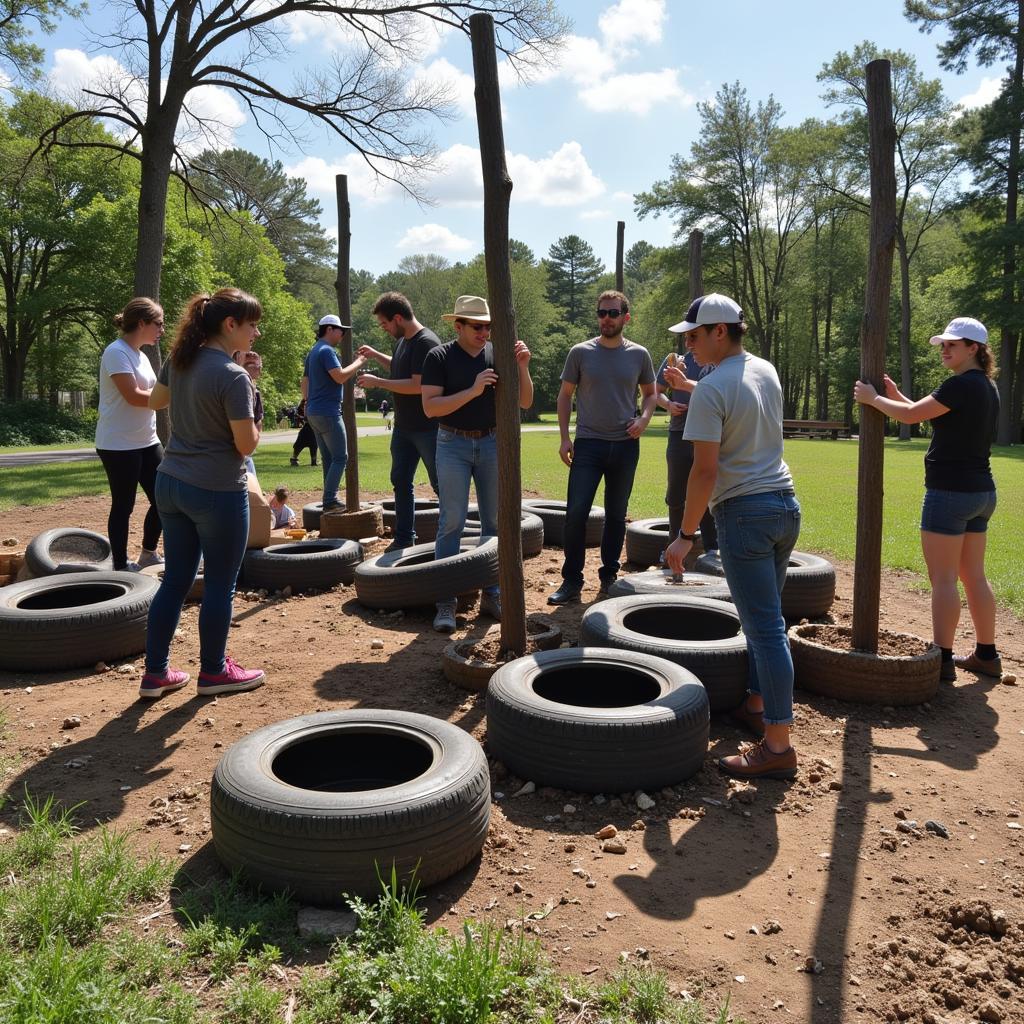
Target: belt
{"x":475,"y":434}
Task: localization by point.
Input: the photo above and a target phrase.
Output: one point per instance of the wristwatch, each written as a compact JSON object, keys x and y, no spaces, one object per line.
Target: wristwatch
{"x":691,"y":537}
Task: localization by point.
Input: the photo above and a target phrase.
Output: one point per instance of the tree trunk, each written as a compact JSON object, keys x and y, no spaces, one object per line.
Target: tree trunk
{"x":497,"y":192}
{"x":620,"y":242}
{"x":695,"y":251}
{"x":906,"y":367}
{"x":867,"y":580}
{"x":341,"y":288}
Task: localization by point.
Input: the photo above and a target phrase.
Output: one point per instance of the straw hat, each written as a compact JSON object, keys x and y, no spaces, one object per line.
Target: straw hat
{"x":470,"y":307}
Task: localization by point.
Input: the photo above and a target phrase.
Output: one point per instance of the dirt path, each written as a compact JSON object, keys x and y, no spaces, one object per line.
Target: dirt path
{"x":905,"y":925}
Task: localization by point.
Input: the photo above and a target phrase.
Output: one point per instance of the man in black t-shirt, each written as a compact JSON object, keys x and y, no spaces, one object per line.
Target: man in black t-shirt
{"x":458,"y":390}
{"x":414,"y":436}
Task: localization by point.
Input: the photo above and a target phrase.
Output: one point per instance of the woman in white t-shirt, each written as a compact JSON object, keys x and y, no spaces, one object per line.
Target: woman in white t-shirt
{"x":126,"y":438}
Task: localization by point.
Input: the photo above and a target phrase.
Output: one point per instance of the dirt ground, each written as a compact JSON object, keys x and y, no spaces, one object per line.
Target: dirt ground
{"x":802,"y":901}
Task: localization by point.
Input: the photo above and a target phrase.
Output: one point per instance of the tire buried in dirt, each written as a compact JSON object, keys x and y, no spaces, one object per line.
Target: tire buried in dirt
{"x":646,"y":539}
{"x":697,"y":633}
{"x":552,"y":514}
{"x":74,"y":619}
{"x":302,"y":565}
{"x":412,"y":577}
{"x":68,"y":549}
{"x":531,"y":531}
{"x":597,"y":721}
{"x":324,"y":804}
{"x":659,"y":583}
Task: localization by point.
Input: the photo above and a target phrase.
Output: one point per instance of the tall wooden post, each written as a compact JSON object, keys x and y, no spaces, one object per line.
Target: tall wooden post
{"x":497,"y":192}
{"x":867,"y":578}
{"x":341,"y":287}
{"x":620,"y":245}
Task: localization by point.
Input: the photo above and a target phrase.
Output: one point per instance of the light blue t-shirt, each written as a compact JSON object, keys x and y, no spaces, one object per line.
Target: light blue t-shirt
{"x":324,"y":396}
{"x":740,"y":407}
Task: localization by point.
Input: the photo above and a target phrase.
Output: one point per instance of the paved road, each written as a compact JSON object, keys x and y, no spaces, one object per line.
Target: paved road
{"x":270,"y":437}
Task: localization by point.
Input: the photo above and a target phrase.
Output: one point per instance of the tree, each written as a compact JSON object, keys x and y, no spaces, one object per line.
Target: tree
{"x":635,"y":273}
{"x":746,"y":176}
{"x":926,"y":163}
{"x":573,"y":270}
{"x":17,"y":20}
{"x":994,"y":31}
{"x":520,"y":252}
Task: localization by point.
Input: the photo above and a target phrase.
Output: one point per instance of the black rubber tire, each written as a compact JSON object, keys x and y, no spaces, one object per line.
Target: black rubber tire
{"x":68,"y":549}
{"x":321,"y":843}
{"x":426,"y":513}
{"x":311,"y":514}
{"x":646,"y":539}
{"x":302,"y":565}
{"x":41,"y":630}
{"x":552,"y":514}
{"x":658,"y":741}
{"x":719,"y":662}
{"x":810,"y":584}
{"x":659,"y":583}
{"x":411,"y":578}
{"x":532,"y":531}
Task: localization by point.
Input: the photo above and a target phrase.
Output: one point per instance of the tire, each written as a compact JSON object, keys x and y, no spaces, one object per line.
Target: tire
{"x":195,"y":593}
{"x":74,"y":619}
{"x":860,"y":677}
{"x":319,"y":804}
{"x":697,"y":633}
{"x":810,"y":585}
{"x":552,"y":514}
{"x":646,"y":539}
{"x":411,"y":577}
{"x":655,"y":737}
{"x":68,"y":549}
{"x":311,"y":514}
{"x":425,"y":516}
{"x":658,"y":583}
{"x":532,"y":531}
{"x":303,"y":565}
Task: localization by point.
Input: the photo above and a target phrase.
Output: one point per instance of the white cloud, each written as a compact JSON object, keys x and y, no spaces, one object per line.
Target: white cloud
{"x":459,"y":84}
{"x":412,"y":38}
{"x":631,"y":20}
{"x":433,"y":238}
{"x":636,"y":94}
{"x":986,"y":92}
{"x":595,"y":215}
{"x":623,"y":197}
{"x":564,"y":178}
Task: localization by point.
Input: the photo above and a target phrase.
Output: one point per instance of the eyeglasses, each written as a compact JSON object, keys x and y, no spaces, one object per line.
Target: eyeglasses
{"x":476,"y":326}
{"x":609,"y":312}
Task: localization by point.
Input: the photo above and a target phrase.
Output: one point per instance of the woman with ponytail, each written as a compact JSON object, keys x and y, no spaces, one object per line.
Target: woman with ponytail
{"x":201,"y":488}
{"x":126,"y":439}
{"x":960,"y":494}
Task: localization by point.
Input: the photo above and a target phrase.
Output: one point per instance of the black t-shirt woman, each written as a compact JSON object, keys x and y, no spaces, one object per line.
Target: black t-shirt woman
{"x":960,"y":494}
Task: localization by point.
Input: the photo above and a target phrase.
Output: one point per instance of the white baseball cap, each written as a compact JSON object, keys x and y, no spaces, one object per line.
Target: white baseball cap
{"x":963,"y":328}
{"x":332,"y":321}
{"x":709,"y":309}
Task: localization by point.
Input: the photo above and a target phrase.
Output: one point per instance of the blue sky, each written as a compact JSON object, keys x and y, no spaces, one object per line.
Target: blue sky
{"x":581,"y":139}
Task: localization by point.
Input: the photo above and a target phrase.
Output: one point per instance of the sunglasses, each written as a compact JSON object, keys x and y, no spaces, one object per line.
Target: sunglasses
{"x":475,"y":326}
{"x":609,"y":312}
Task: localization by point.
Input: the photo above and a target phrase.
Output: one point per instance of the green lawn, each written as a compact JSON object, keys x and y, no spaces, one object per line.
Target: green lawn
{"x":825,"y":473}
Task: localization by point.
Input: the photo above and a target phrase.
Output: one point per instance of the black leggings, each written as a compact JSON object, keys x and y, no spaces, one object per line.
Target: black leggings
{"x":126,"y":471}
{"x":306,"y":439}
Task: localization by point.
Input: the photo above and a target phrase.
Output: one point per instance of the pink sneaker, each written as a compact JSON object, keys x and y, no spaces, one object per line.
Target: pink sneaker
{"x":234,"y":679}
{"x":156,"y":684}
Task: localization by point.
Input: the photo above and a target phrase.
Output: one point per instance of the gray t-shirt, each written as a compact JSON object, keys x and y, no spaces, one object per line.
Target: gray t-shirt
{"x":201,"y":450}
{"x":740,"y":407}
{"x":606,"y":381}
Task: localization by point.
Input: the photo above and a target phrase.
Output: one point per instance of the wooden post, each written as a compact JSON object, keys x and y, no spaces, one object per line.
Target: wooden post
{"x":497,"y":191}
{"x":341,"y":287}
{"x":620,"y":244}
{"x":867,"y":578}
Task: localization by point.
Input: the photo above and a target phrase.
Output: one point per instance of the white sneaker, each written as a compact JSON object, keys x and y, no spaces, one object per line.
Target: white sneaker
{"x":132,"y":567}
{"x":148,"y":558}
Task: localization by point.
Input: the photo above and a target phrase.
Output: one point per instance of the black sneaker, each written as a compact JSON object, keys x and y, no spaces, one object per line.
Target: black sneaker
{"x":293,"y":461}
{"x":605,"y":584}
{"x":947,"y":672}
{"x":332,"y":506}
{"x":567,"y":593}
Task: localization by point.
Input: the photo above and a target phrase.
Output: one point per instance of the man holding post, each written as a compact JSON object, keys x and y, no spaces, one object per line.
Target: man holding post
{"x":414,"y":436}
{"x":458,"y":383}
{"x":603,"y":374}
{"x":323,"y":378}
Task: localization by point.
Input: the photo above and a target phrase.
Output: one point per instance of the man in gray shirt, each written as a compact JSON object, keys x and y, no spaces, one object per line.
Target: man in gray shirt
{"x":603,"y":374}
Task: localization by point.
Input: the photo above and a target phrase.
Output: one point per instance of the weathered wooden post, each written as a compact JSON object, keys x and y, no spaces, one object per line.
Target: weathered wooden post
{"x":341,"y":287}
{"x":497,"y":191}
{"x":867,"y":579}
{"x":620,"y":245}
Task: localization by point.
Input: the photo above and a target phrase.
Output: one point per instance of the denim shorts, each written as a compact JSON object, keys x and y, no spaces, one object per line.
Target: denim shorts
{"x":956,"y":512}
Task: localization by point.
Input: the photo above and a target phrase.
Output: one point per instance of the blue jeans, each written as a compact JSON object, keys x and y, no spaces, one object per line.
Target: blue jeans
{"x":196,"y":521}
{"x":756,"y":536}
{"x":593,"y":459}
{"x":407,"y":448}
{"x":460,"y":460}
{"x":333,"y":444}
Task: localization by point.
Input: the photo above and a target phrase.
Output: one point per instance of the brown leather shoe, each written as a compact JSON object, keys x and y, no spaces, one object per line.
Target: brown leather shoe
{"x":758,"y":762}
{"x":980,"y":666}
{"x":752,"y":721}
